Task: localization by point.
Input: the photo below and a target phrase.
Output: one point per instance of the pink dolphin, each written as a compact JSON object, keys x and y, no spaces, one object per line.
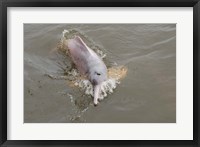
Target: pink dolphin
{"x":88,"y":63}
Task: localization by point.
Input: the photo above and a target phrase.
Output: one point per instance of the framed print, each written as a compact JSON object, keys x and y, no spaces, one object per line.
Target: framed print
{"x":99,"y":73}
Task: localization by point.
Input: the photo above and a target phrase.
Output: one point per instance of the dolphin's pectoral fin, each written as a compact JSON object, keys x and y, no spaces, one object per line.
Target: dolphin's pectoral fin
{"x":96,"y":94}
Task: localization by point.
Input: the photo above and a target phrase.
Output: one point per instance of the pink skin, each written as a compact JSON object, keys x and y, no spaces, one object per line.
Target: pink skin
{"x":96,"y":94}
{"x":88,"y":63}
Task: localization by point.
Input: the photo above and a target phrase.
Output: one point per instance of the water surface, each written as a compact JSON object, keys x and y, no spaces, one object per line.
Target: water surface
{"x":146,"y":95}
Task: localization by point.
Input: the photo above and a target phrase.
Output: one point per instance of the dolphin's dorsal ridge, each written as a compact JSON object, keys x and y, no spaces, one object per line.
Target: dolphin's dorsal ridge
{"x":80,"y":41}
{"x":77,"y":43}
{"x":81,"y":44}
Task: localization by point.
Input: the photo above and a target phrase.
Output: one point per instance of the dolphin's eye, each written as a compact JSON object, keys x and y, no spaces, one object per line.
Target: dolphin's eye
{"x":98,"y":73}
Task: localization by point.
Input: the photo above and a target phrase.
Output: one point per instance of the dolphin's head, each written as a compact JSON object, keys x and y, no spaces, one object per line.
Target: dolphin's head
{"x":98,"y":74}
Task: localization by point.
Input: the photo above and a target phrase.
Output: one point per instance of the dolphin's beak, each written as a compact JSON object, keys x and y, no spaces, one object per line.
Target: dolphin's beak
{"x":96,"y":94}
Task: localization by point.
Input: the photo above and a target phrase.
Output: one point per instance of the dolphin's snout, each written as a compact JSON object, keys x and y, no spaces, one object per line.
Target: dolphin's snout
{"x":96,"y":94}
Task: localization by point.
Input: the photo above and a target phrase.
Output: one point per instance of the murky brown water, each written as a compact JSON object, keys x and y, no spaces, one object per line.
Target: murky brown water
{"x":146,"y":95}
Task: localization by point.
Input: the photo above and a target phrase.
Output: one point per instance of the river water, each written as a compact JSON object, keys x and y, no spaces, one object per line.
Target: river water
{"x":146,"y":94}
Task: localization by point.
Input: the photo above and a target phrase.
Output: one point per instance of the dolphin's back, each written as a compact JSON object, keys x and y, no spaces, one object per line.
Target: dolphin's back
{"x":79,"y":54}
{"x":88,"y":63}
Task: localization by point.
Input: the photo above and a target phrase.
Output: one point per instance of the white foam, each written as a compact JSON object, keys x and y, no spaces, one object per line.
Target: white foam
{"x":71,"y":97}
{"x":63,"y":33}
{"x":73,"y":72}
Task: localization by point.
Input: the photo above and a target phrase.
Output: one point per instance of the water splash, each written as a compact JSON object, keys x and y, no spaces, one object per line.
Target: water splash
{"x":106,"y":88}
